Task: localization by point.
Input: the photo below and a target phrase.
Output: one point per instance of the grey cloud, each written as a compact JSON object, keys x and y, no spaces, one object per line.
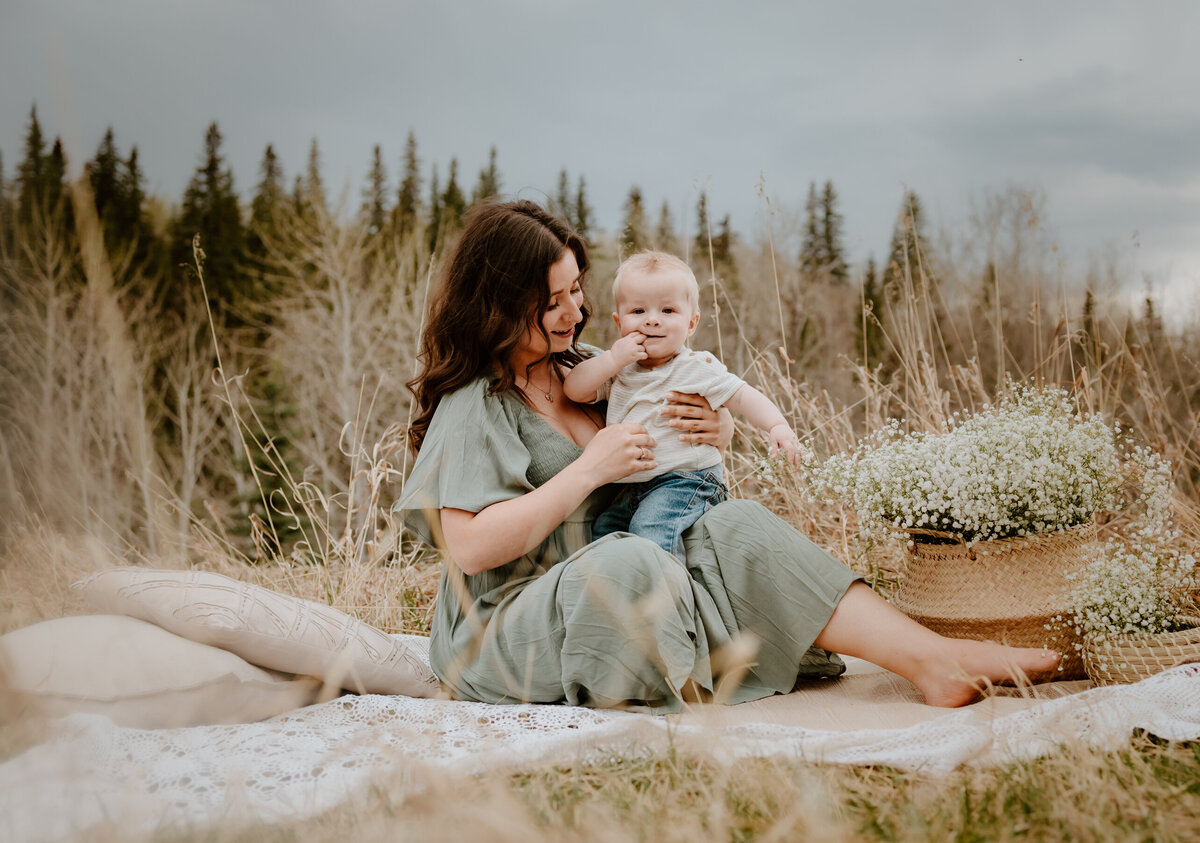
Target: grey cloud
{"x":1095,"y":118}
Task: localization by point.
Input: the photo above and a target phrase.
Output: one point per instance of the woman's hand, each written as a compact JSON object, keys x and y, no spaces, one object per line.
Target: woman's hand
{"x":697,"y":422}
{"x":617,"y":451}
{"x":505,"y":530}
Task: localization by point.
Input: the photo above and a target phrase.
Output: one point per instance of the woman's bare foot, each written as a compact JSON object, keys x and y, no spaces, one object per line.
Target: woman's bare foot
{"x":957,"y":672}
{"x":949,"y":671}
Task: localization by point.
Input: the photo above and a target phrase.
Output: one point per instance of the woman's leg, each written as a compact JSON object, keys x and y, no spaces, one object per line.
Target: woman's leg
{"x":765,"y":582}
{"x":947,"y":671}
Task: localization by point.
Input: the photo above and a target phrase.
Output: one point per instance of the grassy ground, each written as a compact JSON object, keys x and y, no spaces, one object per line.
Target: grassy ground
{"x":1148,"y":791}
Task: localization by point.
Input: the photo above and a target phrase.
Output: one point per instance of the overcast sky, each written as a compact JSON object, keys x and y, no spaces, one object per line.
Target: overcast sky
{"x":1095,"y":103}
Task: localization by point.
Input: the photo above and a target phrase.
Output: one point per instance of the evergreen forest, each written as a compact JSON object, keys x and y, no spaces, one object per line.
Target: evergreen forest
{"x":181,"y":371}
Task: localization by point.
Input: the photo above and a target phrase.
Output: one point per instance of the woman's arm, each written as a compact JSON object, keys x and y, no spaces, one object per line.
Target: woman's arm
{"x":507,"y":530}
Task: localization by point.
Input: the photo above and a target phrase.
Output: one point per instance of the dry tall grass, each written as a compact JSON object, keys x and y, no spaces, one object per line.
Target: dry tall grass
{"x":124,"y":441}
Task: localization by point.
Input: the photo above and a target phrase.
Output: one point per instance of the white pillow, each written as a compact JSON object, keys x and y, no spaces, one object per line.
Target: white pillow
{"x":265,"y":628}
{"x":139,"y":675}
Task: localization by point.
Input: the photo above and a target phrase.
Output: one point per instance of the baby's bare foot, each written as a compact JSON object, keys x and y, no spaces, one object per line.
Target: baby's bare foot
{"x":958,"y":674}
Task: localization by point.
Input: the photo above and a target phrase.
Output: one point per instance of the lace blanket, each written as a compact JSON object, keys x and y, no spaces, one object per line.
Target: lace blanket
{"x":96,"y":775}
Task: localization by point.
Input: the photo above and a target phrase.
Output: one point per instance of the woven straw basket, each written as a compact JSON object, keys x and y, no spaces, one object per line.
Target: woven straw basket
{"x":1006,"y":590}
{"x":1130,"y":658}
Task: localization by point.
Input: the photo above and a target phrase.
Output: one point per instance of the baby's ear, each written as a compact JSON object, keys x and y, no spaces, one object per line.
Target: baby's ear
{"x":695,"y":321}
{"x":617,"y":319}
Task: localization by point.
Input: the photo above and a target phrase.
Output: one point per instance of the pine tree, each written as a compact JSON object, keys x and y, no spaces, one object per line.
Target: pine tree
{"x":723,"y":244}
{"x":703,"y":234}
{"x":583,"y":211}
{"x":131,"y":195}
{"x":908,"y":252}
{"x":107,"y":180}
{"x":55,"y":174}
{"x":822,"y":256}
{"x":454,"y":204}
{"x":408,"y":201}
{"x":129,"y":218}
{"x":41,"y":181}
{"x":266,"y":204}
{"x":31,"y":173}
{"x":489,"y":180}
{"x":812,"y":257}
{"x":633,"y":228}
{"x":833,"y":253}
{"x":433,"y":229}
{"x":210,"y":209}
{"x":664,"y":232}
{"x":310,"y":192}
{"x":298,"y":201}
{"x":562,"y":198}
{"x":6,"y":213}
{"x":374,"y":213}
{"x":868,"y":323}
{"x":103,"y":173}
{"x":54,"y":190}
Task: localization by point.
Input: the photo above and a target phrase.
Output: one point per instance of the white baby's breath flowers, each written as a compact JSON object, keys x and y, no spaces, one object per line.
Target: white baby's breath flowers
{"x":1030,"y":464}
{"x":1138,"y":585}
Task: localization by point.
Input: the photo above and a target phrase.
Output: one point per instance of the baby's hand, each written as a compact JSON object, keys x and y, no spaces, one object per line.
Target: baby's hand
{"x":629,"y":348}
{"x":783,"y":439}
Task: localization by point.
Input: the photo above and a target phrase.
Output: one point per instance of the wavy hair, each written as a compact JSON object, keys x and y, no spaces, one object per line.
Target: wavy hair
{"x":492,"y":289}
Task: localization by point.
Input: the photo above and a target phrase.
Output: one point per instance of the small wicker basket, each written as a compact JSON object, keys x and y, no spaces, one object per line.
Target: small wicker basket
{"x":1006,"y":590}
{"x":1131,"y":658}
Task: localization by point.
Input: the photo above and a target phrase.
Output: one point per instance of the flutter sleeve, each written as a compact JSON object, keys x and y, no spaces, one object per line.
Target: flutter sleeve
{"x":705,"y":375}
{"x":471,"y":457}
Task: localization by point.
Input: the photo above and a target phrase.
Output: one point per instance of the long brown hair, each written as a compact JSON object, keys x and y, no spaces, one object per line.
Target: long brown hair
{"x":492,"y":289}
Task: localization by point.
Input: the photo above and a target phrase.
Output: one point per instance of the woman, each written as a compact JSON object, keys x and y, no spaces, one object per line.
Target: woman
{"x":510,"y":472}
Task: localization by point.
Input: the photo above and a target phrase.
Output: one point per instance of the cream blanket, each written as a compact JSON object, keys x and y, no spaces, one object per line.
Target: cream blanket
{"x":303,"y":763}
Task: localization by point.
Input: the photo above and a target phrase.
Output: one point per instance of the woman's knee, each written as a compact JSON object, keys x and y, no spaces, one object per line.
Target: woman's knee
{"x":738,"y":517}
{"x":629,"y":586}
{"x":739,"y":510}
{"x":632,"y":561}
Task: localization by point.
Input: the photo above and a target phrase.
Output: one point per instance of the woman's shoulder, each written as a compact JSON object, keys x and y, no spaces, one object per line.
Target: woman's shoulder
{"x":473,"y":403}
{"x":472,"y":393}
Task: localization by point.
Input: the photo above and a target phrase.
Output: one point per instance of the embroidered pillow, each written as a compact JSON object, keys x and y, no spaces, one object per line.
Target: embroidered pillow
{"x":139,"y":675}
{"x":267,"y":628}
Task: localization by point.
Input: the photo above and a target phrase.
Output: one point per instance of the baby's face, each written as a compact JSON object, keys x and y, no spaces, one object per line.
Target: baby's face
{"x":657,"y":305}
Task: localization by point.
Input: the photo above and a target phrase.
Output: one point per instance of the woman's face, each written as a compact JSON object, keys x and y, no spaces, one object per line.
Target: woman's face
{"x":563,"y":311}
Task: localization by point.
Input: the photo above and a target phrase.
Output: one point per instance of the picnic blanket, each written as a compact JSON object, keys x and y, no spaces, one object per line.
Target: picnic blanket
{"x":95,"y":775}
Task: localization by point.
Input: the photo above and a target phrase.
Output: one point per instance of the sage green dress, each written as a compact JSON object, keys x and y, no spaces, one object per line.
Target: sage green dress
{"x":617,"y":621}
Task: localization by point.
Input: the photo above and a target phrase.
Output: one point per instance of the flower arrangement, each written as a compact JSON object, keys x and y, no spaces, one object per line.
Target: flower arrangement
{"x":1133,"y":609}
{"x":1030,"y":464}
{"x":1140,"y":584}
{"x":1025,"y":471}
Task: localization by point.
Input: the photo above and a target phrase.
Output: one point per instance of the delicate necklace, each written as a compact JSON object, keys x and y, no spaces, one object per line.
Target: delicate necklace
{"x":549,"y":390}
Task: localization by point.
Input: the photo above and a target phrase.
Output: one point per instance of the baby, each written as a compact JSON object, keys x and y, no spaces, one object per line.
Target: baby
{"x":657,"y":300}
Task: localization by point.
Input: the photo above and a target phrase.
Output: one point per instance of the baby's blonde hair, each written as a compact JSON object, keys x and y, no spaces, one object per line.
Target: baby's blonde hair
{"x":650,"y":262}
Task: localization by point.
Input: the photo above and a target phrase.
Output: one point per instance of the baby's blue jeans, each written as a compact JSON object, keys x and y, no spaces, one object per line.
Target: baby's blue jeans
{"x":661,"y":508}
